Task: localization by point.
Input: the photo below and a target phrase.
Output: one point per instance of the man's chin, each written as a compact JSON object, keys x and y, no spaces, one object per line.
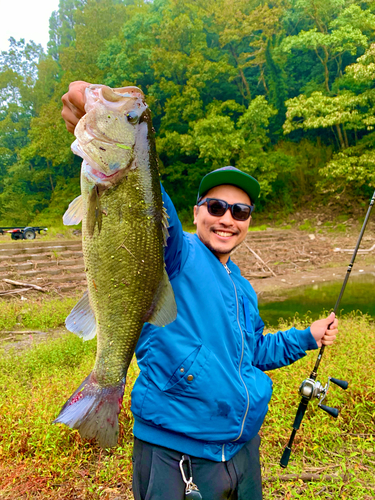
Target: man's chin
{"x":222,"y":249}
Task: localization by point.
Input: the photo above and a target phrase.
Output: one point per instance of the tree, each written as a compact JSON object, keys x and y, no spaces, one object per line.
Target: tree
{"x":18,"y":73}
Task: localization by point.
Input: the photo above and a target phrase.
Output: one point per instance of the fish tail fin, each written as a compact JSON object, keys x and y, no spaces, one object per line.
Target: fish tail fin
{"x":94,"y":410}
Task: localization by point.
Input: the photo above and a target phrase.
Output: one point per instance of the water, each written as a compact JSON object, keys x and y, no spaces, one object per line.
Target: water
{"x":359,"y":295}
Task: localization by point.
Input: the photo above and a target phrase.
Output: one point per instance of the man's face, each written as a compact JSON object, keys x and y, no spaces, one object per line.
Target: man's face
{"x":222,"y":234}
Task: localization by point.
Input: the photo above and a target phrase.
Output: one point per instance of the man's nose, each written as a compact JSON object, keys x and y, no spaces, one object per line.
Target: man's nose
{"x":227,"y":217}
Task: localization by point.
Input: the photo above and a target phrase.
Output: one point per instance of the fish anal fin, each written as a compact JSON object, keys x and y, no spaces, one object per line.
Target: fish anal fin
{"x":164,"y":308}
{"x":81,"y":320}
{"x":74,"y":214}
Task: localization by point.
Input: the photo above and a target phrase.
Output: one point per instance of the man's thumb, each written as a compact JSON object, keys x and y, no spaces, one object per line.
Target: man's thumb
{"x":331,"y":318}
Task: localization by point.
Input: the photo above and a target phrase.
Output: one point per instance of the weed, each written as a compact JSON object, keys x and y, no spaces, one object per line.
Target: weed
{"x":35,"y":314}
{"x":340,"y":228}
{"x":306,"y":226}
{"x":262,"y":227}
{"x":56,"y":254}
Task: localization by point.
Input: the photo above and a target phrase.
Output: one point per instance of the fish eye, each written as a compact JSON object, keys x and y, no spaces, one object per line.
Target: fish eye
{"x":132,"y":117}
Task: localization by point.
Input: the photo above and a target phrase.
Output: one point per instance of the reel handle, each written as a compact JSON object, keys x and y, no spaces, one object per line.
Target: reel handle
{"x":334,"y":412}
{"x":341,"y":383}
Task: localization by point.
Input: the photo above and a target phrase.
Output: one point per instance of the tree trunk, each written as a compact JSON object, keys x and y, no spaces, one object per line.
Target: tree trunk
{"x":263,"y":79}
{"x":335,"y":136}
{"x":50,"y":176}
{"x":345,"y":137}
{"x":341,"y":139}
{"x":242,"y":75}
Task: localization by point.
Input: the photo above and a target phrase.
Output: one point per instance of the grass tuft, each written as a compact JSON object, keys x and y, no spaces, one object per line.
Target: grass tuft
{"x":35,"y":314}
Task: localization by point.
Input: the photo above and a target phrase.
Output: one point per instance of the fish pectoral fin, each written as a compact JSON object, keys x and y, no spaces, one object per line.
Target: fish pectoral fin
{"x":165,"y":310}
{"x":74,"y":214}
{"x":81,"y":320}
{"x":165,"y":225}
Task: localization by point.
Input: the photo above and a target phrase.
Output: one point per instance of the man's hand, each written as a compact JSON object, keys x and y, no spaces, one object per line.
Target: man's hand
{"x":321,"y":333}
{"x":74,"y":104}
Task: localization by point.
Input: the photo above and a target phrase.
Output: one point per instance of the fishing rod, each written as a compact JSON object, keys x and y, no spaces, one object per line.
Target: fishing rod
{"x":310,"y":387}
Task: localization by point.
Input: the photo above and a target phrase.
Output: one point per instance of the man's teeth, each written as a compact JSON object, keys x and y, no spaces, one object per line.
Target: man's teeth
{"x":223,"y":233}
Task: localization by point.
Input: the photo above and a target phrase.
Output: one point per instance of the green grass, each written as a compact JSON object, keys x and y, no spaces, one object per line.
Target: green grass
{"x":35,"y":313}
{"x":41,"y":460}
{"x":262,"y":227}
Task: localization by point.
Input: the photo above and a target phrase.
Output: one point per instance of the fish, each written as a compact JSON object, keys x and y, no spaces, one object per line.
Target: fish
{"x":124,"y":231}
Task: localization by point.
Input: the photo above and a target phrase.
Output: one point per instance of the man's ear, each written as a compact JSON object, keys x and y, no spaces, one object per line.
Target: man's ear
{"x":196,"y":208}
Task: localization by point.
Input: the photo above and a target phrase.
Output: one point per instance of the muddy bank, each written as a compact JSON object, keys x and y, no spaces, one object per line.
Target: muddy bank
{"x":274,"y":261}
{"x":267,"y":289}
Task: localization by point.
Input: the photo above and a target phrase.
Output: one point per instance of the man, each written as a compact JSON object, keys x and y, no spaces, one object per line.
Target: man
{"x":202,"y":394}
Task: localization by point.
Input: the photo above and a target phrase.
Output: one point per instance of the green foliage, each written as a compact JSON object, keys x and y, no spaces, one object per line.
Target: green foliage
{"x":225,"y":79}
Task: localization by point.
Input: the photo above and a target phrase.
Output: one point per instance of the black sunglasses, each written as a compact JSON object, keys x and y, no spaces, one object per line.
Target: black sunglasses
{"x":239,"y":211}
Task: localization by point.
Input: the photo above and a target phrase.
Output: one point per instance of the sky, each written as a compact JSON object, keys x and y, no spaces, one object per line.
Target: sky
{"x":25,"y":19}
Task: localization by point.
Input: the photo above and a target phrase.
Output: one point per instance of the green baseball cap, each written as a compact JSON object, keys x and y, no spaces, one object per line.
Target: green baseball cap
{"x":230,"y":175}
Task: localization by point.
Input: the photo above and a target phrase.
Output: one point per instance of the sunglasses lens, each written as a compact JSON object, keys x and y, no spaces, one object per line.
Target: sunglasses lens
{"x":240,"y":211}
{"x":216,"y":207}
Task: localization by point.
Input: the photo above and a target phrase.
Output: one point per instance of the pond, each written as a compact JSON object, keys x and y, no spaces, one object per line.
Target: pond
{"x":312,"y":300}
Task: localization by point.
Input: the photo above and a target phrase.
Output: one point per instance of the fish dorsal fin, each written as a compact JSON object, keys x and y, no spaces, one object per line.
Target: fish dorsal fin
{"x":74,"y":214}
{"x":165,"y":310}
{"x":81,"y":320}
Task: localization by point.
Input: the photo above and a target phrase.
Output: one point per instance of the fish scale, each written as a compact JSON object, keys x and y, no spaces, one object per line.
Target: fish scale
{"x":123,"y":230}
{"x":116,"y":306}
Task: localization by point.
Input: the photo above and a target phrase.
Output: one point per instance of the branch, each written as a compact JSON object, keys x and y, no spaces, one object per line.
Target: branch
{"x":259,"y":258}
{"x":352,"y":250}
{"x":306,"y":478}
{"x":19,"y":283}
{"x":19,"y":290}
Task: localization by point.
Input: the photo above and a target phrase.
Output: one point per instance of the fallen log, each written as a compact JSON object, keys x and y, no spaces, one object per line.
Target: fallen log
{"x":12,"y":292}
{"x":19,"y":283}
{"x":19,"y":332}
{"x":306,"y":478}
{"x":259,"y":258}
{"x":352,"y":250}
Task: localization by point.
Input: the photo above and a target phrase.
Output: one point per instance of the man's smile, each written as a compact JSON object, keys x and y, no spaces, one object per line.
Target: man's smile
{"x":223,"y":233}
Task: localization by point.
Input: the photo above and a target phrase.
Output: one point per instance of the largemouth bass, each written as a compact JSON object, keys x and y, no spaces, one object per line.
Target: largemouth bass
{"x":124,"y":228}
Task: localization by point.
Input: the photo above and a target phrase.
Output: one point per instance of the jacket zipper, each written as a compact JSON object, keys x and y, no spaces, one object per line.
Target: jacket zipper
{"x":242,"y":352}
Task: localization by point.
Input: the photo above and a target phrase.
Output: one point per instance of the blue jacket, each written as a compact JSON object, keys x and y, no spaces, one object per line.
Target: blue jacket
{"x":202,"y":389}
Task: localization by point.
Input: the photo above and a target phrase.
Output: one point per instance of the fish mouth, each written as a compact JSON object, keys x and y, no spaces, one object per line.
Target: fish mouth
{"x":100,"y":175}
{"x":92,"y":170}
{"x":99,"y":178}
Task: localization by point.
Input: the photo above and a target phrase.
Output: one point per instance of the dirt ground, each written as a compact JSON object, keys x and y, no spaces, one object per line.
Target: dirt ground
{"x":272,"y":260}
{"x":277,"y":260}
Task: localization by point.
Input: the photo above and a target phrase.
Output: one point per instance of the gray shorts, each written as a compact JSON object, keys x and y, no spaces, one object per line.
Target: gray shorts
{"x":157,"y":475}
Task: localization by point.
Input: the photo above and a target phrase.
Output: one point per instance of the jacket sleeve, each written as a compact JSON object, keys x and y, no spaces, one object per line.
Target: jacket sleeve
{"x":176,"y":244}
{"x":273,"y":351}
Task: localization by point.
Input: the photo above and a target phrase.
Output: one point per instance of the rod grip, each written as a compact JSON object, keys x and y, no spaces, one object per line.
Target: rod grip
{"x":285,"y":457}
{"x":341,"y":383}
{"x":300,"y":413}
